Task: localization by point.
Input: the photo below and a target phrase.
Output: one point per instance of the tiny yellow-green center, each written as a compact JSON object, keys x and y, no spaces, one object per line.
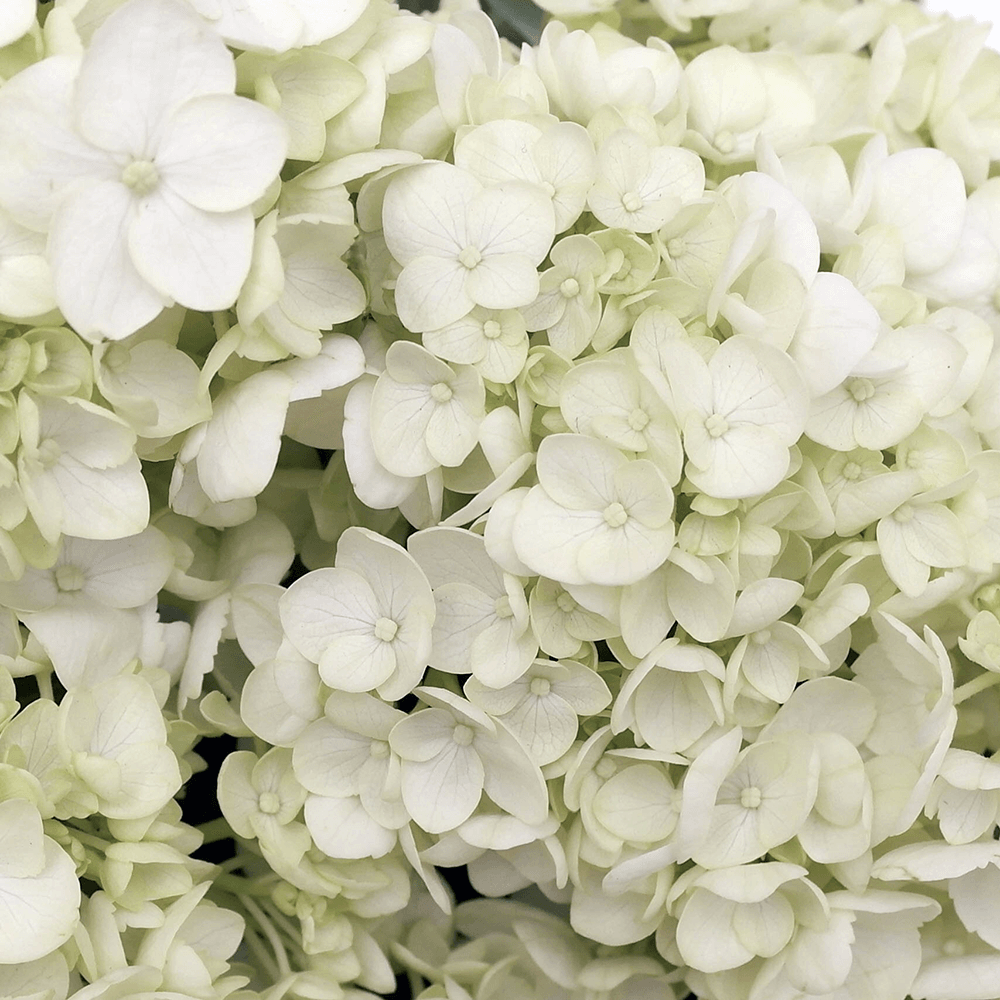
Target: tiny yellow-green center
{"x":268,"y":803}
{"x":540,"y":686}
{"x":470,"y":257}
{"x":716,"y":425}
{"x":386,"y":629}
{"x":141,"y":176}
{"x":565,"y":603}
{"x":462,"y":735}
{"x":441,"y":392}
{"x":631,"y":201}
{"x":615,"y":515}
{"x":861,"y":389}
{"x":750,"y":797}
{"x":491,"y":329}
{"x":69,"y":578}
{"x":638,"y":419}
{"x":569,"y":288}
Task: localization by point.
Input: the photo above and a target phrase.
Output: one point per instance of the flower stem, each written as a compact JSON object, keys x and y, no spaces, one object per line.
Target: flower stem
{"x":981,"y":683}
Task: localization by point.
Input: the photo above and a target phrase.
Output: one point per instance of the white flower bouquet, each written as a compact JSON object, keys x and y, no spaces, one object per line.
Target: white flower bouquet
{"x":483,"y":520}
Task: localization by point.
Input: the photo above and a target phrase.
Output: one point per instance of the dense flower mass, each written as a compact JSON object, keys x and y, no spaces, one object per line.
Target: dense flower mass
{"x":569,"y":471}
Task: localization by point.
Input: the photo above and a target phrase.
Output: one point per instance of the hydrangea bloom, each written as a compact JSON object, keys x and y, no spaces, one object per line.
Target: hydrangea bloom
{"x":435,"y":472}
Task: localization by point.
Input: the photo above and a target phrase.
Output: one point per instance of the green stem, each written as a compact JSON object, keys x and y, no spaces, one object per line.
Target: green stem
{"x":981,"y":683}
{"x":216,"y":829}
{"x":270,"y":933}
{"x":241,"y":886}
{"x":254,"y":943}
{"x":44,"y":680}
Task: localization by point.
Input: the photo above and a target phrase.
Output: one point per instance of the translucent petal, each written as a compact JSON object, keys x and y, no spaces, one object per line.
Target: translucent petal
{"x":341,"y":828}
{"x":143,"y":62}
{"x":424,"y":212}
{"x":199,"y":259}
{"x":442,"y":791}
{"x":432,"y":292}
{"x":705,"y":938}
{"x":39,"y":914}
{"x":98,"y":288}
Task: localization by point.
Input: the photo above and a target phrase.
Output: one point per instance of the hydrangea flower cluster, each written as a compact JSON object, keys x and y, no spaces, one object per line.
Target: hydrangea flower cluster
{"x":569,"y":471}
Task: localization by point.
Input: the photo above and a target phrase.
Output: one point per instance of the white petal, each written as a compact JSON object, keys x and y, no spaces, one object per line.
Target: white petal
{"x":240,"y":447}
{"x":342,"y":828}
{"x":431,"y":293}
{"x":147,"y":58}
{"x":503,"y":281}
{"x":39,"y":914}
{"x":424,"y":211}
{"x":97,"y":285}
{"x":42,"y":153}
{"x":442,"y":792}
{"x":220,"y":152}
{"x":198,"y":259}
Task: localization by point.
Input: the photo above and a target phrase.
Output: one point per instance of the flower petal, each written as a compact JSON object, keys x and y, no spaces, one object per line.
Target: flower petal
{"x":220,"y":152}
{"x":97,"y":286}
{"x":198,"y":259}
{"x":147,"y":58}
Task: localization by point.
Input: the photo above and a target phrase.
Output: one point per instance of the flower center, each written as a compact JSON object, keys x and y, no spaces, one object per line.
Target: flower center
{"x":48,"y":453}
{"x":716,"y":425}
{"x":469,"y":257}
{"x":904,"y":514}
{"x":725,"y":142}
{"x":141,"y":176}
{"x":548,"y":188}
{"x":501,"y":607}
{"x":462,"y":735}
{"x":852,"y":471}
{"x":441,"y":392}
{"x":676,"y":247}
{"x":615,"y":515}
{"x":69,"y":578}
{"x":491,"y":329}
{"x":638,"y":419}
{"x":116,"y":357}
{"x":861,"y":389}
{"x":750,"y":797}
{"x":569,"y":288}
{"x":631,"y":201}
{"x":565,"y":603}
{"x":386,"y":629}
{"x":540,"y":686}
{"x":268,"y":803}
{"x":606,"y":768}
{"x":761,"y":637}
{"x":379,"y":749}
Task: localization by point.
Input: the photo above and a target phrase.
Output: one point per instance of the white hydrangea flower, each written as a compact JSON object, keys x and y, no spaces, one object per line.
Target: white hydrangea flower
{"x":740,"y":411}
{"x":481,"y":626}
{"x":142,"y":166}
{"x":594,"y":517}
{"x":463,"y":245}
{"x":560,"y":159}
{"x":114,"y":739}
{"x":641,"y":188}
{"x":542,"y":708}
{"x":264,"y":26}
{"x":424,"y":413}
{"x":452,"y":752}
{"x":40,"y":887}
{"x":365,"y":621}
